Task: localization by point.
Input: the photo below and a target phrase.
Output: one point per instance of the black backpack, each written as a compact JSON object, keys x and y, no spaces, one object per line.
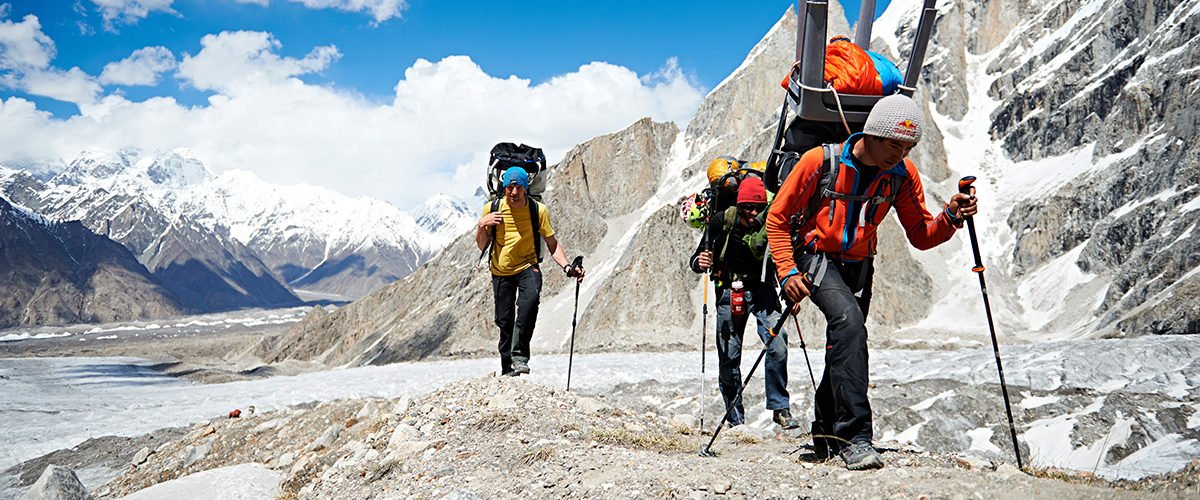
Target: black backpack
{"x":800,"y":136}
{"x":504,"y":156}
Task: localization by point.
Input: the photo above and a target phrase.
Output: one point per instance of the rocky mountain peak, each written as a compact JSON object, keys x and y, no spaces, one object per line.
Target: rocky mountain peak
{"x":176,"y":169}
{"x":94,"y":164}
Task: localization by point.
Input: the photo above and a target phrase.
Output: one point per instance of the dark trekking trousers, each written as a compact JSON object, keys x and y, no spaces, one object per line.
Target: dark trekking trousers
{"x":841,"y":406}
{"x":763,"y":303}
{"x":522,"y":292}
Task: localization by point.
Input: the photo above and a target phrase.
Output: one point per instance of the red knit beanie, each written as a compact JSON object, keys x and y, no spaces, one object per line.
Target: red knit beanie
{"x":752,"y":190}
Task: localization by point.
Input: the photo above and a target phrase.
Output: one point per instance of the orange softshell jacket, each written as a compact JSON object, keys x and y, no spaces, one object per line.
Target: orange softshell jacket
{"x":851,"y":234}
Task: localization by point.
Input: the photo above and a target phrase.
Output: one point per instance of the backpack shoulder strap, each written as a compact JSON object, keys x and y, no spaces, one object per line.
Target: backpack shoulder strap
{"x":535,"y":224}
{"x":491,"y":237}
{"x":729,"y":218}
{"x":827,"y":177}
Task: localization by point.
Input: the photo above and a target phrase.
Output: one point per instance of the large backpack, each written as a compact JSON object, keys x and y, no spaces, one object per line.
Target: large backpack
{"x":800,"y":136}
{"x":725,"y":174}
{"x":506,"y":155}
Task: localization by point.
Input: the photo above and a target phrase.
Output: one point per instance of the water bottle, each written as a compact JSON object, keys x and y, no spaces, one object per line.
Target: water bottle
{"x":737,"y":298}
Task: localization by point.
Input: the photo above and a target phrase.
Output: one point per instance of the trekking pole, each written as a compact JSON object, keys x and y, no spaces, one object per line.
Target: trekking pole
{"x":703,"y":341}
{"x":704,"y":314}
{"x":796,"y":319}
{"x":706,"y":451}
{"x":803,"y":349}
{"x":964,"y":187}
{"x":575,"y":265}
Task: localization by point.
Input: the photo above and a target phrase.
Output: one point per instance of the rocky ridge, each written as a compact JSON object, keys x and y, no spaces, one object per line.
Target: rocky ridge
{"x":507,"y":437}
{"x":1076,"y":89}
{"x":202,"y":265}
{"x":60,"y":272}
{"x":259,"y":239}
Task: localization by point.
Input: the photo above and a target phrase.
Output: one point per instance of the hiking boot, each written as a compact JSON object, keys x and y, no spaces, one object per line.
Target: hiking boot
{"x":861,"y":456}
{"x":519,"y":367}
{"x":784,"y":419}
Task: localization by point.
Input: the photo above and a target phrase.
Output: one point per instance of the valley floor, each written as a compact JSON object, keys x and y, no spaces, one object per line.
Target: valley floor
{"x":1118,"y":408}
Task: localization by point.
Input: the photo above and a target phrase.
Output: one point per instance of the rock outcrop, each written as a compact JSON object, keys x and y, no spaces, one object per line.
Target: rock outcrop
{"x":57,"y":483}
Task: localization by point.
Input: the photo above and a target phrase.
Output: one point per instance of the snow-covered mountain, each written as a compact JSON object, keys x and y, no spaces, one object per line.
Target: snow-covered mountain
{"x":126,"y":197}
{"x":303,"y":237}
{"x":445,"y":217}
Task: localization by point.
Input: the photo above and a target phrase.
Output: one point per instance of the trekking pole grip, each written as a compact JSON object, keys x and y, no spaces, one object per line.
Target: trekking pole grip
{"x":964,"y":184}
{"x":964,"y":187}
{"x":574,"y":267}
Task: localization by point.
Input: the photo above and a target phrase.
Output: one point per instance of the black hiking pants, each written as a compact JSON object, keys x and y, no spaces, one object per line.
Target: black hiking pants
{"x":517,"y":295}
{"x":842,"y":410}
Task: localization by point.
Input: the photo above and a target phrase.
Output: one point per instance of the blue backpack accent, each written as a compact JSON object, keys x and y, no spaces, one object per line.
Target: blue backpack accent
{"x":889,"y":74}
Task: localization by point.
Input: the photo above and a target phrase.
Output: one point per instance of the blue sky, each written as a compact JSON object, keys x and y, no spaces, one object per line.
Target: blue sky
{"x":296,"y":90}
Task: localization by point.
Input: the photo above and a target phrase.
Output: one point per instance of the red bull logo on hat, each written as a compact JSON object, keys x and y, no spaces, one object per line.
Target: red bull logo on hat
{"x":906,"y":128}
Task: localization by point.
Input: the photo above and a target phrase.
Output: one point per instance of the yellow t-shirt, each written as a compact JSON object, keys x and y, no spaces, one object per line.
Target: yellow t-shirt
{"x":513,"y":251}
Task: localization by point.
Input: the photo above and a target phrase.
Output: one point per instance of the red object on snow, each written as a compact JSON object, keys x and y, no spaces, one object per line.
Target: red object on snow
{"x":235,"y":413}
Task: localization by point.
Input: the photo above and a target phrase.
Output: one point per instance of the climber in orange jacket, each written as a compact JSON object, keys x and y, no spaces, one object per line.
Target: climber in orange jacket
{"x":822,"y":237}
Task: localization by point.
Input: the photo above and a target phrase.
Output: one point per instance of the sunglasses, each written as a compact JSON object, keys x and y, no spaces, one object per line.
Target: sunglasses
{"x":752,"y":207}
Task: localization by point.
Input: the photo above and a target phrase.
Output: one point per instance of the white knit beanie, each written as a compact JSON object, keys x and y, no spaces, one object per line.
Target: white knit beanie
{"x":895,"y":117}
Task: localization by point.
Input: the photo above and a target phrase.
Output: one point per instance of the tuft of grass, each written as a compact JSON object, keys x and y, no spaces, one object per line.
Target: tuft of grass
{"x":1071,"y":477}
{"x":538,"y":455}
{"x":746,"y":439}
{"x":497,"y":421}
{"x":685,"y":430}
{"x":643,"y":440}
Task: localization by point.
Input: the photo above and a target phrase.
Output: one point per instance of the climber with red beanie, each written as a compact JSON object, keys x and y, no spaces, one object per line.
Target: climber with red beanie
{"x":738,"y":241}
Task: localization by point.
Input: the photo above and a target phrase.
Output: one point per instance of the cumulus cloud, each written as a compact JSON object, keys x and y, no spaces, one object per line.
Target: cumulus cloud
{"x":23,"y":46}
{"x":432,"y":136}
{"x":140,"y":68}
{"x":117,"y":12}
{"x":237,"y":59}
{"x":25,"y":55}
{"x":130,"y":11}
{"x":379,"y":10}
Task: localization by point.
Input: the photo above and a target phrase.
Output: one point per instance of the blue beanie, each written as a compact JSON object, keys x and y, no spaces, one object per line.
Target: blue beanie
{"x":516,"y":175}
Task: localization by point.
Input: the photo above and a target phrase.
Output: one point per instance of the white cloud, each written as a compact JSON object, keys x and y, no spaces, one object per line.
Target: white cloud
{"x":433,"y":136}
{"x":140,"y":68}
{"x":130,"y":11}
{"x":25,"y":55}
{"x":380,"y":10}
{"x":117,"y":12}
{"x":23,"y":46}
{"x":72,"y":85}
{"x":236,"y":59}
